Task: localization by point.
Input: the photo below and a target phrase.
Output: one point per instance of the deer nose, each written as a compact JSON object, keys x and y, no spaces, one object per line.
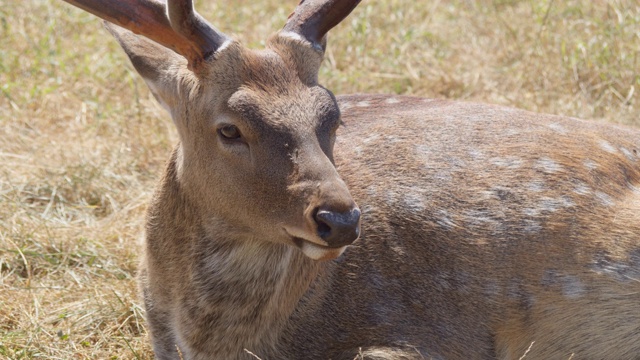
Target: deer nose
{"x":338,"y":228}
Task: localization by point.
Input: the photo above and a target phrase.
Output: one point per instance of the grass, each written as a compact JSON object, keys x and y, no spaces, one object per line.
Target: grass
{"x":83,"y":142}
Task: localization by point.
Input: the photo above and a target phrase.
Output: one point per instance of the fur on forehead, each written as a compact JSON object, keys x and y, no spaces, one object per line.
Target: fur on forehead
{"x":300,"y":53}
{"x":305,"y":106}
{"x":286,"y":58}
{"x":275,"y":87}
{"x":280,"y":68}
{"x":271,"y":72}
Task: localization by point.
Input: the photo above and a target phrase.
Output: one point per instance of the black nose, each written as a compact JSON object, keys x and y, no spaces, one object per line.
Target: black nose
{"x":338,"y":229}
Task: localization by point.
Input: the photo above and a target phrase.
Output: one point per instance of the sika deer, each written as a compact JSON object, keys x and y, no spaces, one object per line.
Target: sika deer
{"x":487,"y":232}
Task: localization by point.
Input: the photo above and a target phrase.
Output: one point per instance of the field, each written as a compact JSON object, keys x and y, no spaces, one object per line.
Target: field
{"x":83,"y":141}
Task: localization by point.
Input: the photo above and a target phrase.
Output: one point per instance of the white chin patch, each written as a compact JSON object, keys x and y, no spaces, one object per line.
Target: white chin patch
{"x":321,"y":253}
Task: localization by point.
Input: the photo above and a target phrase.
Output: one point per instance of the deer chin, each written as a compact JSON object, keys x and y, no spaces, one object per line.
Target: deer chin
{"x":313,"y":249}
{"x":318,"y":252}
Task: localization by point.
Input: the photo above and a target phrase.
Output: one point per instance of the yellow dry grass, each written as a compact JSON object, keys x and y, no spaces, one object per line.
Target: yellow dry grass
{"x":82,"y":142}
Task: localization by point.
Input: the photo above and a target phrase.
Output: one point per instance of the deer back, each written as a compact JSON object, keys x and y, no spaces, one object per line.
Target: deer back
{"x":489,"y":228}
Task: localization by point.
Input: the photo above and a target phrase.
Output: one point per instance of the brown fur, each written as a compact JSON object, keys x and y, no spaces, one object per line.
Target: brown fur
{"x":487,"y":232}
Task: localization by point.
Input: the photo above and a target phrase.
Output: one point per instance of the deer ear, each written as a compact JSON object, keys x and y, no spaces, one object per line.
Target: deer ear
{"x":155,"y":63}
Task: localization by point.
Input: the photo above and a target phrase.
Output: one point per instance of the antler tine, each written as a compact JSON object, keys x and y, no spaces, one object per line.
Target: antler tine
{"x":312,"y":19}
{"x":187,"y":33}
{"x":187,"y":22}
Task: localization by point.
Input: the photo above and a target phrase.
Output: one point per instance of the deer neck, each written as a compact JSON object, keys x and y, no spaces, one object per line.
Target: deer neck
{"x":253,"y":285}
{"x":238,"y":278}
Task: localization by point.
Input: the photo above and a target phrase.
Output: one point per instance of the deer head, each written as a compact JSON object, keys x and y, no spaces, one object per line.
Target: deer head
{"x":256,"y":130}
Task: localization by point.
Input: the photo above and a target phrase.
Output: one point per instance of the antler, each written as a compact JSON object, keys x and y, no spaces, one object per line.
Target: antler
{"x":179,"y":27}
{"x":312,"y":19}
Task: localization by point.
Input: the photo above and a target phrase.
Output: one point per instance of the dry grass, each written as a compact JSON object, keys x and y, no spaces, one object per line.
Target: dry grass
{"x":82,"y":142}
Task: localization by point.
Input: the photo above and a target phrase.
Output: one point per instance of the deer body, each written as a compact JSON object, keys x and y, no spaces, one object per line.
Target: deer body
{"x":487,"y":232}
{"x":488,"y":244}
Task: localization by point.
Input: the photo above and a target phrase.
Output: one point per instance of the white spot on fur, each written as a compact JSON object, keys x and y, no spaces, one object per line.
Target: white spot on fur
{"x":371,"y":138}
{"x":444,"y":176}
{"x":345,"y":105}
{"x":514,"y":288}
{"x":536,"y":186}
{"x":393,"y":139}
{"x":476,"y":154}
{"x":590,"y":164}
{"x":390,"y":197}
{"x":582,"y":189}
{"x":566,"y":201}
{"x":509,"y":162}
{"x":456,"y":162}
{"x":555,"y":204}
{"x":532,"y":226}
{"x":392,"y":100}
{"x":492,"y":289}
{"x":628,"y":154}
{"x":362,"y":104}
{"x":604,"y":198}
{"x":481,"y":218}
{"x":422,"y":149}
{"x":619,"y":271}
{"x":410,"y":198}
{"x":572,"y":288}
{"x":558,"y":128}
{"x":570,"y":285}
{"x":413,"y":202}
{"x":449,"y":280}
{"x":444,"y":220}
{"x":548,"y":165}
{"x":508,"y":131}
{"x":486,"y":194}
{"x":606,"y":146}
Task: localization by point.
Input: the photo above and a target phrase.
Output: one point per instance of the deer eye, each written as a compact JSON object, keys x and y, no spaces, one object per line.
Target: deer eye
{"x":229,"y":132}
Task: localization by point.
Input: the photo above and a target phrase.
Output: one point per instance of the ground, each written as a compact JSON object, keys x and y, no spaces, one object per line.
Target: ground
{"x":83,"y":142}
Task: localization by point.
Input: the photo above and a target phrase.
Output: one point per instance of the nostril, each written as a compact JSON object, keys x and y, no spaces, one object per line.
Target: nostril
{"x":336,"y":228}
{"x":322,"y":219}
{"x":324,"y":230}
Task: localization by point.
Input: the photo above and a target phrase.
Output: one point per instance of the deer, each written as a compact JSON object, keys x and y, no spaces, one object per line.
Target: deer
{"x":291,"y":223}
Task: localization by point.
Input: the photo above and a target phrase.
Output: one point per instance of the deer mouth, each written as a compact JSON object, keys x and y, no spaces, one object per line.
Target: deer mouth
{"x":314,"y":250}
